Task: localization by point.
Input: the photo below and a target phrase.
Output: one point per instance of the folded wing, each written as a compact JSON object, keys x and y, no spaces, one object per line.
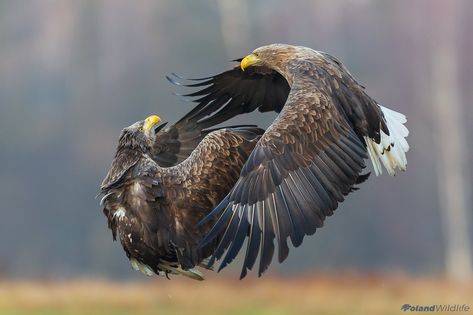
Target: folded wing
{"x":191,"y":189}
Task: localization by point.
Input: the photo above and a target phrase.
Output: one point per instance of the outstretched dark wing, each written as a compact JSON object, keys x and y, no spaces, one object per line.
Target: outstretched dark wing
{"x":302,"y":167}
{"x":235,"y":92}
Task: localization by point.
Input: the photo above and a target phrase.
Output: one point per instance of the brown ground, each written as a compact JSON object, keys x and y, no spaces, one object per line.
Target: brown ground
{"x":314,"y":294}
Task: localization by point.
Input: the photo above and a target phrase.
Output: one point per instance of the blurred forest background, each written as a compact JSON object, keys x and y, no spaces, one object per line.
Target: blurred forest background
{"x":74,"y":73}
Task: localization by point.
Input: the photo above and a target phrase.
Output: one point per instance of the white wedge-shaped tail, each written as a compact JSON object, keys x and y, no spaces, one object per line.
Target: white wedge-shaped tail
{"x":391,"y":151}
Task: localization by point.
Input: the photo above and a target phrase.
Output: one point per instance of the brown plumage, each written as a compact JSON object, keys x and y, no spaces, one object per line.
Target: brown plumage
{"x":163,"y":181}
{"x":308,"y":159}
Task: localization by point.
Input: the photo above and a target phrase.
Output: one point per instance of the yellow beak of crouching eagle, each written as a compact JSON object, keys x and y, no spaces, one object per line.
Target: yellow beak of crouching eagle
{"x":248,"y":61}
{"x":150,"y":122}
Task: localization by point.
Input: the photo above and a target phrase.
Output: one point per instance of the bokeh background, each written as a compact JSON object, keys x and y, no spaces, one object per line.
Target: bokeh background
{"x":74,"y":73}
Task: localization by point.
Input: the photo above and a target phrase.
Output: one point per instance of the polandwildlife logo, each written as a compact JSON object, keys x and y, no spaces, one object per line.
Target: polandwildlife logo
{"x":436,"y":308}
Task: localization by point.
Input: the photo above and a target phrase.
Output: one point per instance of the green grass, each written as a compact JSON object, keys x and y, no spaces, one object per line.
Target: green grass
{"x":316,"y":294}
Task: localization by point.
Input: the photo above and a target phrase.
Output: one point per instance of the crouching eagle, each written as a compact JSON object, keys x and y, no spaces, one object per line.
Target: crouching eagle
{"x":307,"y":161}
{"x":163,"y":181}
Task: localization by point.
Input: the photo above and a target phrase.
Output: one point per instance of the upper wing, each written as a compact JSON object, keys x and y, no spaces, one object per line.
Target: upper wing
{"x":302,"y":167}
{"x":235,"y":92}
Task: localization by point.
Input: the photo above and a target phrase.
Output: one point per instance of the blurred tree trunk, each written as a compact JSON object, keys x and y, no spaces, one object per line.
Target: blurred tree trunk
{"x":235,"y":26}
{"x":451,"y":138}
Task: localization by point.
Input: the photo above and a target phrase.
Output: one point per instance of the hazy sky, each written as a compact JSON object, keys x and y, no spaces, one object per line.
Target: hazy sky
{"x":74,"y":73}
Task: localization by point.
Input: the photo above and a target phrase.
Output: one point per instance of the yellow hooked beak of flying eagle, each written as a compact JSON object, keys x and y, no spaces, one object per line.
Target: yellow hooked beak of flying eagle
{"x":150,"y":122}
{"x":248,"y":61}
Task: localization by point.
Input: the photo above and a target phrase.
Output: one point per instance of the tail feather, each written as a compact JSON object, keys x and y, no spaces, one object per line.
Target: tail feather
{"x":391,"y":151}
